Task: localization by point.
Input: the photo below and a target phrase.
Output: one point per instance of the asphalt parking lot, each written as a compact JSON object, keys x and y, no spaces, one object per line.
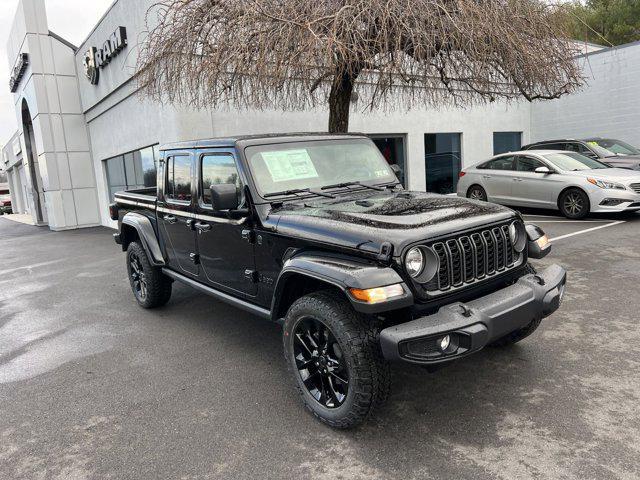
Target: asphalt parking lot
{"x":91,"y":386}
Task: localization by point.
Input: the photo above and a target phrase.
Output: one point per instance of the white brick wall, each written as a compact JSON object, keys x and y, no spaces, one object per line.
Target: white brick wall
{"x":607,"y":106}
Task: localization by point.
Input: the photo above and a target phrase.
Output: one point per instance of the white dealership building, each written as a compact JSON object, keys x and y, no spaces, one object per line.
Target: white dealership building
{"x":85,"y":133}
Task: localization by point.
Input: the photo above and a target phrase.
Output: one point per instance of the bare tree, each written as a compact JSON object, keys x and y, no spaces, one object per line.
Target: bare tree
{"x":296,"y":54}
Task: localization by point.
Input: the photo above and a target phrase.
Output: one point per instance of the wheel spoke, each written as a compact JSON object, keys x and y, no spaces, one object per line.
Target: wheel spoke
{"x":342,"y":380}
{"x":302,"y":342}
{"x":320,"y":363}
{"x":332,"y":391}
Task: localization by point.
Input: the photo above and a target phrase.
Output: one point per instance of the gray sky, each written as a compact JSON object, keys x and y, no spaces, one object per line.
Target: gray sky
{"x":71,"y":19}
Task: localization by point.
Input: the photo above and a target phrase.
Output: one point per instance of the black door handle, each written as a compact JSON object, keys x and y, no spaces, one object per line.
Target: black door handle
{"x":202,"y":227}
{"x":170,"y":219}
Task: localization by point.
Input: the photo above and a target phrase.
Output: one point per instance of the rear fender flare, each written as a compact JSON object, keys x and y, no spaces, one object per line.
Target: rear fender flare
{"x":147,"y":235}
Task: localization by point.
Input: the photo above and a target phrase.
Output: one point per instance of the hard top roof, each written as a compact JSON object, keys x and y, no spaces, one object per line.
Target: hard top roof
{"x":248,"y":140}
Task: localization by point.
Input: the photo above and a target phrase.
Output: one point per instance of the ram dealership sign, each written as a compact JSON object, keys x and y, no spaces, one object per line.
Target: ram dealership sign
{"x":96,"y":58}
{"x":18,"y":72}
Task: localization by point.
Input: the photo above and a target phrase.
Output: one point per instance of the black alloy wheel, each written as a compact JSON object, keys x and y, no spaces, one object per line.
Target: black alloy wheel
{"x":138,"y":277}
{"x":574,"y":204}
{"x":151,"y":287}
{"x":320,"y":362}
{"x":334,"y":357}
{"x":476,"y":192}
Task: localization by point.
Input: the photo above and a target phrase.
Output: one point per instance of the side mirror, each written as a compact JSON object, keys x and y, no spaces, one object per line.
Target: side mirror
{"x":224,"y":196}
{"x":545,"y":170}
{"x":396,"y":169}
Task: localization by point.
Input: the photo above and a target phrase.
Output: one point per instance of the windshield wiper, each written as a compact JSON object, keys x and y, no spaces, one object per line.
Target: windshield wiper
{"x":349,"y":184}
{"x":298,"y":190}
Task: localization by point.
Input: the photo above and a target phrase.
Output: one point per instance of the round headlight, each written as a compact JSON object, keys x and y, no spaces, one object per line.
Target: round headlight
{"x":518,"y":236}
{"x":414,"y":262}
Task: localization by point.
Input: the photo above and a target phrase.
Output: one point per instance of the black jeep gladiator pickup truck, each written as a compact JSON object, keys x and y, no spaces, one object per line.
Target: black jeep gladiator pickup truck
{"x":315,"y":232}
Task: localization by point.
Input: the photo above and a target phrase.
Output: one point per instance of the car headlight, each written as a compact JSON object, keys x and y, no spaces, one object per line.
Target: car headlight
{"x":414,"y":262}
{"x":605,"y":184}
{"x":518,"y":236}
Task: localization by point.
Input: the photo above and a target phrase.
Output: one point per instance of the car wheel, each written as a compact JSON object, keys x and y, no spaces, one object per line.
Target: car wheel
{"x":476,"y":192}
{"x":150,"y":286}
{"x":574,"y":204}
{"x":334,"y":355}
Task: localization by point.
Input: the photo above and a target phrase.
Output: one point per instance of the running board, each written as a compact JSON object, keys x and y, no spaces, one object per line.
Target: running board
{"x":246,"y":306}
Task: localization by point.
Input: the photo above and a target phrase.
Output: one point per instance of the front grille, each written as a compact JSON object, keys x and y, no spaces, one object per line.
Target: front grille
{"x":472,"y":257}
{"x":635,"y":187}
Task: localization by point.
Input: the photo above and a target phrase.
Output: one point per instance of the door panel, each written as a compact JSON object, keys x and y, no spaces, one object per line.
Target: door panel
{"x":497,"y":178}
{"x":534,"y":189}
{"x":175,"y":214}
{"x":225,"y":245}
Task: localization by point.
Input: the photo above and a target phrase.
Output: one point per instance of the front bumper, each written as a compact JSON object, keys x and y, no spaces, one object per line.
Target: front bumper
{"x":473,"y":325}
{"x":611,"y":200}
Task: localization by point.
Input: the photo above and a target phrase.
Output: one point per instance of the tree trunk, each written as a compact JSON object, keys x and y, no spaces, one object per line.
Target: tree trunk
{"x":339,"y":103}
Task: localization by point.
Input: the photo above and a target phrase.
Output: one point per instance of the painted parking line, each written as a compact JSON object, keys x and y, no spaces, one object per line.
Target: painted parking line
{"x":572,"y":221}
{"x":587,"y":230}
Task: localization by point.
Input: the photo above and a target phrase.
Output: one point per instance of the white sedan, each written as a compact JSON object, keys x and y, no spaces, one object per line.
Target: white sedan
{"x":553,"y":179}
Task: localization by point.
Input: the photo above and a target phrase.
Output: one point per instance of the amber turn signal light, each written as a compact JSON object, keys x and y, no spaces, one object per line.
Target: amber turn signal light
{"x":378,"y":294}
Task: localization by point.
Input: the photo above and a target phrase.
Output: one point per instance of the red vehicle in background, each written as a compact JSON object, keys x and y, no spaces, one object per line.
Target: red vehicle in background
{"x":5,"y":201}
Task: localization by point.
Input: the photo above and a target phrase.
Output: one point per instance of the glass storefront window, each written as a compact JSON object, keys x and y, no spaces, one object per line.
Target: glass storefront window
{"x":443,"y":160}
{"x":392,"y":149}
{"x":132,"y":170}
{"x":504,"y":142}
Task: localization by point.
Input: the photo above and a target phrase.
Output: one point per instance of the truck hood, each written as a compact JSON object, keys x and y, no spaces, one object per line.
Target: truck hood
{"x":366,"y":220}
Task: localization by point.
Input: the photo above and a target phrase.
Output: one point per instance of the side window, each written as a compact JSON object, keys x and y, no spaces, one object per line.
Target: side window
{"x":528,"y":164}
{"x":178,"y":184}
{"x":216,"y":170}
{"x":502,"y":163}
{"x":549,"y":146}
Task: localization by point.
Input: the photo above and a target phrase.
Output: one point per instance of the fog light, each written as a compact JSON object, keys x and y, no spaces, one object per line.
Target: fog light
{"x":561,"y":291}
{"x":444,"y":342}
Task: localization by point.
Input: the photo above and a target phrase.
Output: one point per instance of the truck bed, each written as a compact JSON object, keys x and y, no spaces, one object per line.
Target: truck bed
{"x":139,"y":197}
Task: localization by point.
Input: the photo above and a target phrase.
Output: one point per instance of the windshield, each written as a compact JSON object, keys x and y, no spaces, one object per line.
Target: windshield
{"x":571,"y":161}
{"x":615,"y":146}
{"x":313,"y":165}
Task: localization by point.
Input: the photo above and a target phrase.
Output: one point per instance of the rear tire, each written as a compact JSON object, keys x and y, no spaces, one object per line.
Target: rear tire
{"x":574,"y":204}
{"x":334,"y":356}
{"x":150,"y":286}
{"x":476,"y":192}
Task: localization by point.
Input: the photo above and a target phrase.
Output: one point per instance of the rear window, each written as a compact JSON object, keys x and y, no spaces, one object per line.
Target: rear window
{"x":178,"y":186}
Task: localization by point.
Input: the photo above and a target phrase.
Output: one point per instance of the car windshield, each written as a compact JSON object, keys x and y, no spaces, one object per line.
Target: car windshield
{"x":291,"y":167}
{"x":615,"y":146}
{"x":571,"y":161}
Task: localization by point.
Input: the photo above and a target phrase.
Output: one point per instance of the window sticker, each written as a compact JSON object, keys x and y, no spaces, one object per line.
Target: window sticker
{"x":288,"y":165}
{"x":595,"y":144}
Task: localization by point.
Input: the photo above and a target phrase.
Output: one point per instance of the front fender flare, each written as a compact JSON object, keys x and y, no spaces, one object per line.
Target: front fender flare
{"x":343,"y":273}
{"x":147,"y":235}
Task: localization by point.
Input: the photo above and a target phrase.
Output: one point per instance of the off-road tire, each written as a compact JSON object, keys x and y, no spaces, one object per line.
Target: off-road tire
{"x":358,"y":338}
{"x":524,"y":332}
{"x":158,"y":285}
{"x":582,"y":197}
{"x":477,"y":192}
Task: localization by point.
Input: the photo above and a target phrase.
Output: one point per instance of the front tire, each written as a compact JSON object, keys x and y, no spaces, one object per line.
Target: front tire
{"x":574,"y":204}
{"x":150,"y":286}
{"x":334,"y":356}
